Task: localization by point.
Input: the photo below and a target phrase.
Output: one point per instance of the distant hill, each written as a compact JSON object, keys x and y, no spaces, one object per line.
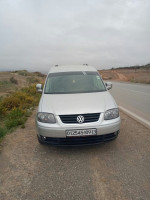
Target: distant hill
{"x":147,"y":66}
{"x":136,"y":74}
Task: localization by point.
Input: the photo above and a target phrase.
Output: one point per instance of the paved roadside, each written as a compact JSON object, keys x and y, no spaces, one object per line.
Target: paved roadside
{"x":134,"y":97}
{"x":115,"y":170}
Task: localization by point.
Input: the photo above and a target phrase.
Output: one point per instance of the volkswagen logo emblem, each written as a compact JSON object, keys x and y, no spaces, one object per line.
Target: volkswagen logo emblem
{"x":80,"y":119}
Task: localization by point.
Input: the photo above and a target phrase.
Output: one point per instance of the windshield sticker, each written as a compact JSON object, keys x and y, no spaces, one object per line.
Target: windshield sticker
{"x":97,"y":77}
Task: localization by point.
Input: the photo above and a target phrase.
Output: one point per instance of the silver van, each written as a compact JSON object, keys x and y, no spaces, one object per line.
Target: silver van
{"x":76,"y":108}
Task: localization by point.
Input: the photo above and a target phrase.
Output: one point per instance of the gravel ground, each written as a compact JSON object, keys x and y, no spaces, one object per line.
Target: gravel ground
{"x":116,"y":170}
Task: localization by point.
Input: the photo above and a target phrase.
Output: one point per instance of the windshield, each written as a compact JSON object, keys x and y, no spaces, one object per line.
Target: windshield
{"x":74,"y":82}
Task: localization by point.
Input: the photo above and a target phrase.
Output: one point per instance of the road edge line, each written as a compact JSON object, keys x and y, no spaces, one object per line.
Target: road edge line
{"x":135,"y":117}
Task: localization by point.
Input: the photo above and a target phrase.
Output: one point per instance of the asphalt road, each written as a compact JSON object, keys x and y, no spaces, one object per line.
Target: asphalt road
{"x":118,"y":170}
{"x":134,"y":97}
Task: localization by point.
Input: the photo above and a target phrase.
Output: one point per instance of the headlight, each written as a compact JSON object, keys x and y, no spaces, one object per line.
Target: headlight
{"x":111,"y":114}
{"x":46,"y":118}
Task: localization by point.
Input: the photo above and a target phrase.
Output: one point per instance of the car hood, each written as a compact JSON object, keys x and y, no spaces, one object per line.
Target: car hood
{"x":61,"y":104}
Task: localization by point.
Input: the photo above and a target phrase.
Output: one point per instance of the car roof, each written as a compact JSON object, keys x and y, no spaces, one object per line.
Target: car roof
{"x":71,"y":68}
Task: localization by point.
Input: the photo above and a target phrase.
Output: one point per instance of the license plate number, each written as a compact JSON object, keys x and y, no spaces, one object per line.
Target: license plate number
{"x":80,"y":133}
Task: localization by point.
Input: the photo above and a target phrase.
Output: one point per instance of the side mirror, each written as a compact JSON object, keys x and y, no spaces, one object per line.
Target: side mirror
{"x":39,"y":88}
{"x":108,"y":85}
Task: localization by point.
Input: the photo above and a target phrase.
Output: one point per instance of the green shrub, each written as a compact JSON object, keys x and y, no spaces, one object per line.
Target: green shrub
{"x":11,"y":102}
{"x":30,"y":90}
{"x":23,"y":73}
{"x":3,"y":131}
{"x":4,"y":84}
{"x":15,"y":118}
{"x":39,"y":74}
{"x":32,"y":80}
{"x":15,"y":109}
{"x":2,"y":109}
{"x":23,"y":99}
{"x":13,"y":80}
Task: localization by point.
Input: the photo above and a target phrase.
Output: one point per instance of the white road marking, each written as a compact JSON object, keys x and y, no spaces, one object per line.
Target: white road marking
{"x":136,"y":117}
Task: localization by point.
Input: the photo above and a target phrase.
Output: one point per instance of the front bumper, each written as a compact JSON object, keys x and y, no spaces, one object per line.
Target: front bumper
{"x":56,"y":134}
{"x":76,"y":141}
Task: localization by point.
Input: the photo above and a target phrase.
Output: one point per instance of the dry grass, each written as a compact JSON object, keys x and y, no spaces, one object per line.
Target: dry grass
{"x":14,"y":81}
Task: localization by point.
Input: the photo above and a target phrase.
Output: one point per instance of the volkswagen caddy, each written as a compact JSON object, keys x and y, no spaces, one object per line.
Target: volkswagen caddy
{"x":76,"y":108}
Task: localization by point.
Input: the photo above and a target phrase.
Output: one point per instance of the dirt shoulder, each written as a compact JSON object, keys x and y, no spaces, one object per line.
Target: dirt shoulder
{"x":115,"y":170}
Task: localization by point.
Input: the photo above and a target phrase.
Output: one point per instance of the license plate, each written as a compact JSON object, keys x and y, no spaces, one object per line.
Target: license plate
{"x":80,"y":133}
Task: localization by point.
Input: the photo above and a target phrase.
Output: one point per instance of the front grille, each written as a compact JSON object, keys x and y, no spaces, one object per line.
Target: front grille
{"x":72,"y":119}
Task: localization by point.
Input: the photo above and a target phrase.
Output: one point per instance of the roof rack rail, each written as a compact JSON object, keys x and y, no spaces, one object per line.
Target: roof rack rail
{"x":56,"y":65}
{"x":85,"y":64}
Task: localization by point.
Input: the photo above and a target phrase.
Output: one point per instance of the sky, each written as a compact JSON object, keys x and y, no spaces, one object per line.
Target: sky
{"x":37,"y":34}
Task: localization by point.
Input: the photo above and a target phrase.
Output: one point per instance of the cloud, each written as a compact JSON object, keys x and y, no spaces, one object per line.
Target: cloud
{"x":38,"y":34}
